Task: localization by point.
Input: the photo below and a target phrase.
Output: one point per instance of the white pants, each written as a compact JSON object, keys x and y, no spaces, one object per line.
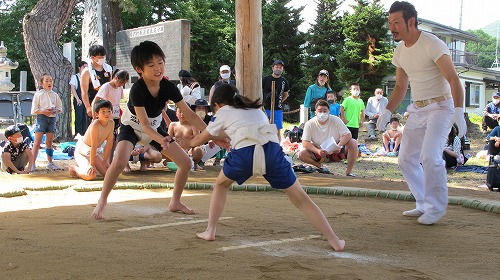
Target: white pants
{"x":421,"y":154}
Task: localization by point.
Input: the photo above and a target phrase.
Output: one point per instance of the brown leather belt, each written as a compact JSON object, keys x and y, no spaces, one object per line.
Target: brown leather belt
{"x":423,"y":103}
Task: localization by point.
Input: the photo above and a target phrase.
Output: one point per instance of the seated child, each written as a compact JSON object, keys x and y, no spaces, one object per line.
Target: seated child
{"x":88,"y":162}
{"x":392,"y":137}
{"x":146,"y":155}
{"x":252,"y":137}
{"x":184,"y":129}
{"x":16,"y":153}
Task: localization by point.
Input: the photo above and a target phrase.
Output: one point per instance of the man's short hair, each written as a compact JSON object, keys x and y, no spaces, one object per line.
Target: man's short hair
{"x":97,"y":50}
{"x":102,"y":103}
{"x":322,"y":102}
{"x":144,"y":52}
{"x":406,"y":8}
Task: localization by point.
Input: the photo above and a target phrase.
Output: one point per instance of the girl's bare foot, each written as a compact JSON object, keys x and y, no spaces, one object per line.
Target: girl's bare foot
{"x":338,"y":245}
{"x":127,"y":169}
{"x":180,"y":207}
{"x":206,"y":236}
{"x":98,"y":212}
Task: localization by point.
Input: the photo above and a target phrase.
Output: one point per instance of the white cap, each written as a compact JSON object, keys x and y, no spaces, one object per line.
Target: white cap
{"x":224,"y":68}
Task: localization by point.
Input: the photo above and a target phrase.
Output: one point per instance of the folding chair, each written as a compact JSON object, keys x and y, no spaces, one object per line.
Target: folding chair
{"x":7,"y":110}
{"x":24,"y":101}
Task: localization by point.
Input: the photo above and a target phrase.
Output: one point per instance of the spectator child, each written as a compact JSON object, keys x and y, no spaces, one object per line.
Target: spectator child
{"x":331,"y":98}
{"x":46,"y":105}
{"x":392,"y":138}
{"x":252,"y":136}
{"x":88,"y":162}
{"x":16,"y":153}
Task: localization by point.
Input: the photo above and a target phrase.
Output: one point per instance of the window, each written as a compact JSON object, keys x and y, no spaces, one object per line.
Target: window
{"x":473,"y":97}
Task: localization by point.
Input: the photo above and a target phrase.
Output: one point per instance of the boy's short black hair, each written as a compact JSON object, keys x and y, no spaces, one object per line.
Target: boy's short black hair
{"x":144,"y":52}
{"x":331,"y":92}
{"x":102,"y":103}
{"x":394,"y":119}
{"x":323,"y":103}
{"x":120,"y":74}
{"x":97,"y":50}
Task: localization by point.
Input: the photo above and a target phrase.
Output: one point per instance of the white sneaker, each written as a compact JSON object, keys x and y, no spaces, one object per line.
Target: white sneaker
{"x":53,"y":166}
{"x":431,"y":218}
{"x":413,"y":213}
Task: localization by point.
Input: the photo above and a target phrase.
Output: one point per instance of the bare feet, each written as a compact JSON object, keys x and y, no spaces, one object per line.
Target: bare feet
{"x":72,"y":171}
{"x":198,"y":167}
{"x":180,"y":207}
{"x":206,"y":236}
{"x":127,"y":168}
{"x":338,"y":245}
{"x":98,"y":212}
{"x":144,"y":166}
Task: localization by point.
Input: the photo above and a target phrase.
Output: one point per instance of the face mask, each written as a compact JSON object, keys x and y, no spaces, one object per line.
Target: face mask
{"x":277,"y":72}
{"x":496,"y":101}
{"x":330,"y":101}
{"x":19,"y":140}
{"x":378,"y":96}
{"x":225,"y":76}
{"x":322,"y":116}
{"x":100,"y":61}
{"x":355,"y":93}
{"x":202,"y":114}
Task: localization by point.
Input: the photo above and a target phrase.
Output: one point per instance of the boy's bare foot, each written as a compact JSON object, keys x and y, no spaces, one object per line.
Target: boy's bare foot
{"x":206,"y":236}
{"x":198,"y":167}
{"x":98,"y":212}
{"x":180,"y":207}
{"x":144,"y":166}
{"x":72,"y":171}
{"x":338,"y":245}
{"x":127,"y":169}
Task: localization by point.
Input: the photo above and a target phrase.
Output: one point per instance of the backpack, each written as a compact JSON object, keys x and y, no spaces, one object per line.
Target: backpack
{"x":295,"y":134}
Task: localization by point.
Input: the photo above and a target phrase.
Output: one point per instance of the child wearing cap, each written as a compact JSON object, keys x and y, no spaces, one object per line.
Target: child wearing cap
{"x":16,"y":154}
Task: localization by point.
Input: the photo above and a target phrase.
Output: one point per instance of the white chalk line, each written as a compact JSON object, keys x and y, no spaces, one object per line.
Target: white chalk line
{"x":171,"y":224}
{"x":268,"y":243}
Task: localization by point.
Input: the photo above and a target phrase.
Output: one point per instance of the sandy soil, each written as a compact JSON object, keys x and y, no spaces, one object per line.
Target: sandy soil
{"x":50,"y":235}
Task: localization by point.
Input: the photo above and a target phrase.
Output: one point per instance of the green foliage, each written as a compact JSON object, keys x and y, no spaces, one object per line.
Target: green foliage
{"x":282,"y":39}
{"x":366,"y":56}
{"x":485,"y":49}
{"x":325,"y":43}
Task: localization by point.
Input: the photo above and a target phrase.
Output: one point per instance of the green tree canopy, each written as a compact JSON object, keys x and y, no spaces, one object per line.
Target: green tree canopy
{"x":485,"y":49}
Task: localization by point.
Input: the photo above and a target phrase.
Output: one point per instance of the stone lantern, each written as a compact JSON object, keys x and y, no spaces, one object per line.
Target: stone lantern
{"x":5,"y":66}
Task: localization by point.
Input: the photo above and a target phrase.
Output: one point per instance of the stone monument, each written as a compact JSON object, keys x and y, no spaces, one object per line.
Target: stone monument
{"x":172,"y":36}
{"x":5,"y":66}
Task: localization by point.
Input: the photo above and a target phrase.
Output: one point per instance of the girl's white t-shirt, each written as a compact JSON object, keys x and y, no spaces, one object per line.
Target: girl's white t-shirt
{"x":113,"y":95}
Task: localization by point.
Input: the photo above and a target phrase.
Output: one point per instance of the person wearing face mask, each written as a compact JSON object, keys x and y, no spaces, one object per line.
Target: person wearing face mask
{"x":281,"y":89}
{"x":224,"y":78}
{"x":318,"y":131}
{"x":96,"y":74}
{"x":352,"y":110}
{"x":331,"y":98}
{"x":202,"y":108}
{"x":374,"y":107}
{"x":491,"y":113}
{"x":16,"y":153}
{"x":317,"y":91}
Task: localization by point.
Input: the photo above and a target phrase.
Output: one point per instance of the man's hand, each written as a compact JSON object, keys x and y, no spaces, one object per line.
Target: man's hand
{"x":458,"y":118}
{"x":383,"y":120}
{"x":89,"y":111}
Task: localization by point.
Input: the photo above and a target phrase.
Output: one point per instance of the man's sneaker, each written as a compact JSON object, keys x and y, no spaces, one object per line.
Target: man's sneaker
{"x":413,"y":213}
{"x":53,"y":166}
{"x":431,"y":218}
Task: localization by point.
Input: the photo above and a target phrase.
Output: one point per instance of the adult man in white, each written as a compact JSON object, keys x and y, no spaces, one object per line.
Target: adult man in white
{"x":374,"y":107}
{"x":437,"y":94}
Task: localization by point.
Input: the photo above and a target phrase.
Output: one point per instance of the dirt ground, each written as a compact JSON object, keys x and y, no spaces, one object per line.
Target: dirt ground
{"x":50,"y":234}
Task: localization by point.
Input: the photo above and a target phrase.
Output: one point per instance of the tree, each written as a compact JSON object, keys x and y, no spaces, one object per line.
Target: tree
{"x":42,"y":28}
{"x":485,"y":49}
{"x":282,"y":40}
{"x":325,"y":42}
{"x":366,"y":57}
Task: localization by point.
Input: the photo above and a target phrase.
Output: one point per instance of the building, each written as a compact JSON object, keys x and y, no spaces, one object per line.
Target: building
{"x":479,"y":83}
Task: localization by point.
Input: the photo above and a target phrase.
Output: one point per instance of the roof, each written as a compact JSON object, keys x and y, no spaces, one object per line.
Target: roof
{"x":440,"y":29}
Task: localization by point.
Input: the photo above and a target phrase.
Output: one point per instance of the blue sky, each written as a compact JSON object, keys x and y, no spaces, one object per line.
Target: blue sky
{"x":475,"y":13}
